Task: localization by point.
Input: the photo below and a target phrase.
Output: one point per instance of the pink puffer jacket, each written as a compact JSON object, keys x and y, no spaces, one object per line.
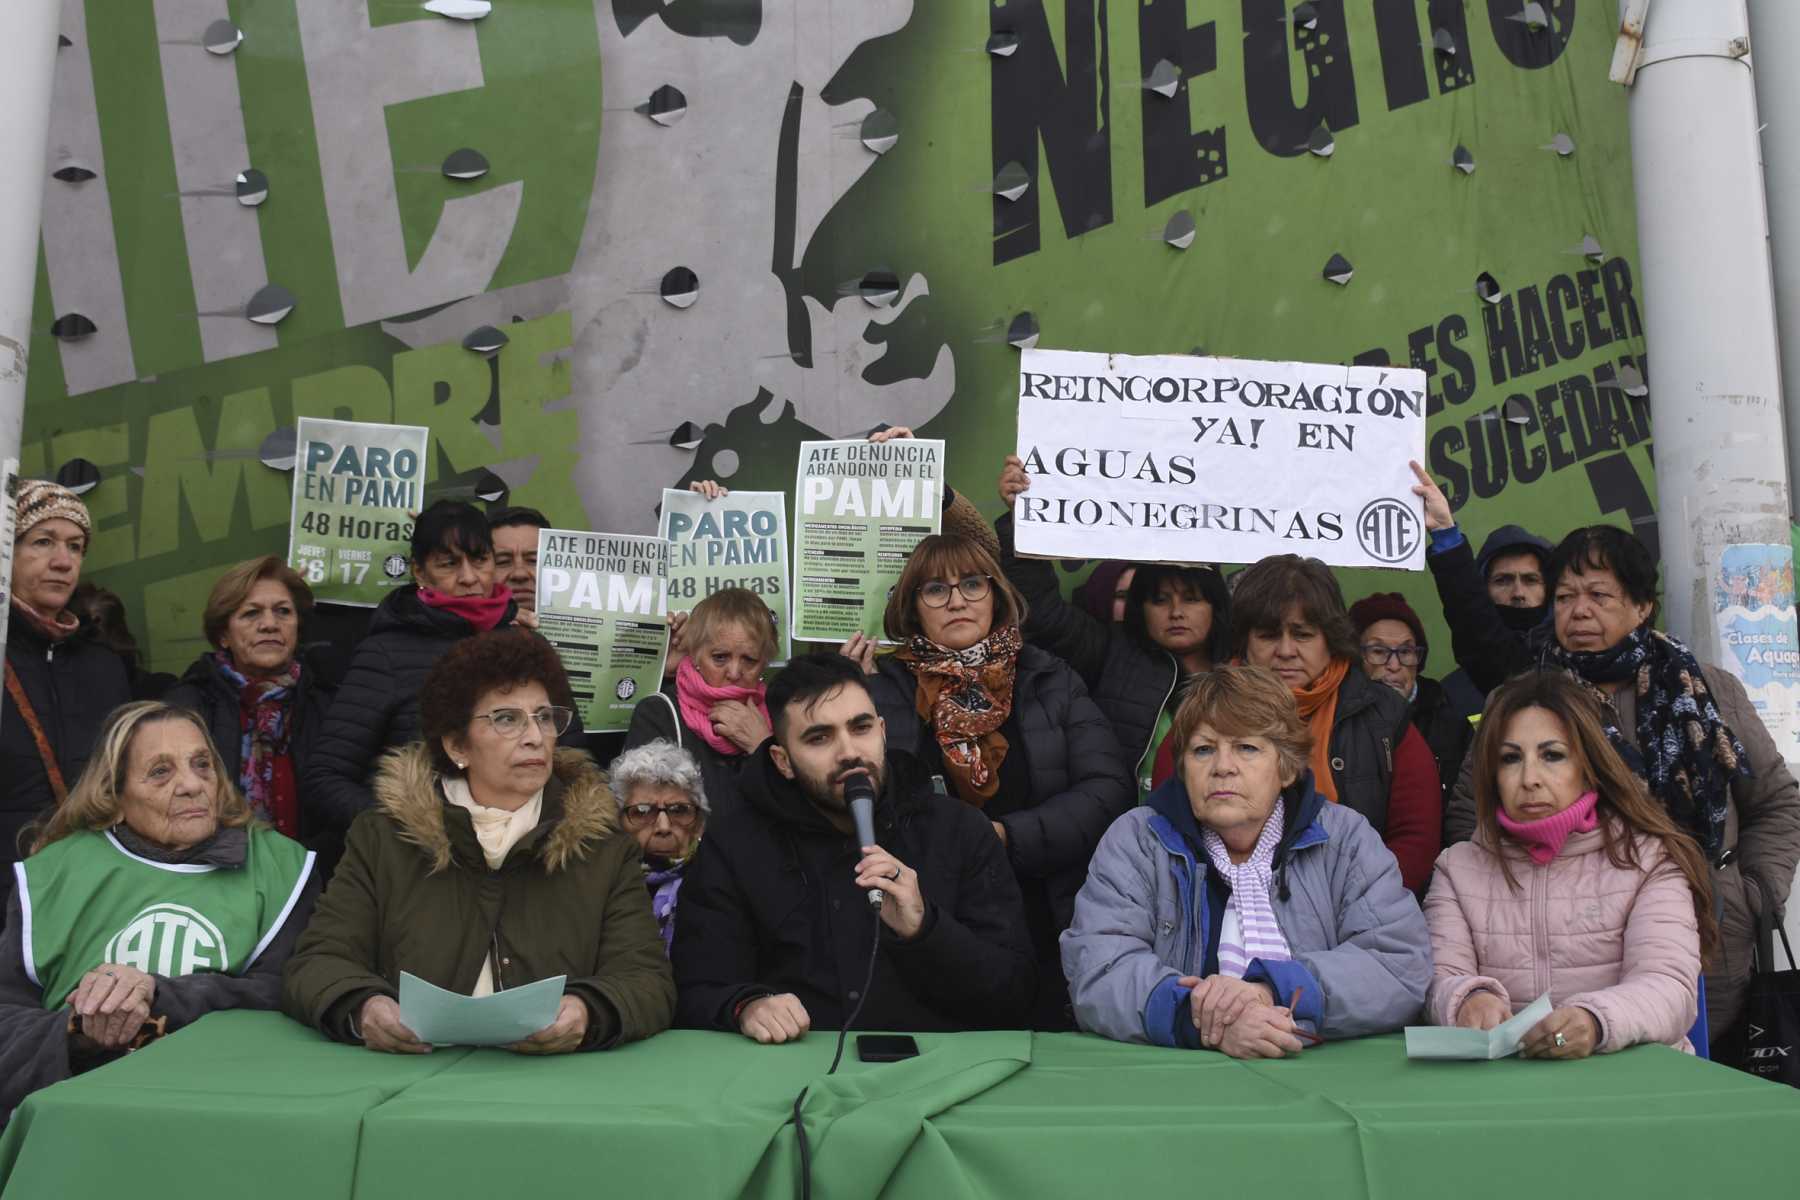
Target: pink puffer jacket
{"x":1621,"y":943}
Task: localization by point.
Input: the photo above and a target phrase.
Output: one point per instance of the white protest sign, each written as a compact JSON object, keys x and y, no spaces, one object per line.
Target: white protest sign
{"x":1178,"y":458}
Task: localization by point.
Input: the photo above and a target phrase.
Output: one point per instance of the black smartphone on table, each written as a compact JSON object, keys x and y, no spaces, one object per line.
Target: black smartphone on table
{"x":885,"y":1047}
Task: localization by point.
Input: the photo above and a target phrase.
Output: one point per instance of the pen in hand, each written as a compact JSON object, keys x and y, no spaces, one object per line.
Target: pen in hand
{"x":1311,"y":1039}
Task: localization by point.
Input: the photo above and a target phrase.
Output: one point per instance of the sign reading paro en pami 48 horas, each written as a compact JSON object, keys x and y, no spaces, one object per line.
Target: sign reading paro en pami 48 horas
{"x":357,"y":487}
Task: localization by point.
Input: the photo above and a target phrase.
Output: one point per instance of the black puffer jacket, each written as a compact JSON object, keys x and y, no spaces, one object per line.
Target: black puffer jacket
{"x":72,"y":686}
{"x":1444,"y":729}
{"x":377,"y":706}
{"x":1079,"y":783}
{"x":655,"y":717}
{"x":1129,"y":680}
{"x":770,"y":905}
{"x":210,"y":694}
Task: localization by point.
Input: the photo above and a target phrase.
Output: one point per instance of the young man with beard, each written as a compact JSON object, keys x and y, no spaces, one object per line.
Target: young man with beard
{"x":776,"y":926}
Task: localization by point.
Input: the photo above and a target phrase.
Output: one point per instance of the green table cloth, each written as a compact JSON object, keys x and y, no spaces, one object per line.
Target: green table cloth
{"x":252,"y":1102}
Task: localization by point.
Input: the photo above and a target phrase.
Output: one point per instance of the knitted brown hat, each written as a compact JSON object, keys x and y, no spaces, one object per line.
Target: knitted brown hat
{"x":1386,"y":606}
{"x":965,"y":520}
{"x":41,"y":500}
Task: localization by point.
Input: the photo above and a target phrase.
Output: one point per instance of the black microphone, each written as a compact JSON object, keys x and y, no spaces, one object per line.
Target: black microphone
{"x":859,"y":790}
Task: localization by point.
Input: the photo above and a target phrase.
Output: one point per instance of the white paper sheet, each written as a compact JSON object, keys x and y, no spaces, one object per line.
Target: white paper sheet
{"x":1444,"y":1042}
{"x":452,"y":1019}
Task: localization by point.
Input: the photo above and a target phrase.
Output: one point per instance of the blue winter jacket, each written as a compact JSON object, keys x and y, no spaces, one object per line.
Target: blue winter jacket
{"x":1151,"y":911}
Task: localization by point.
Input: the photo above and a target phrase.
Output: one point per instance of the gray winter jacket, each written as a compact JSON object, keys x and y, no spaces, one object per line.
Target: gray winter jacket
{"x":1151,"y":912}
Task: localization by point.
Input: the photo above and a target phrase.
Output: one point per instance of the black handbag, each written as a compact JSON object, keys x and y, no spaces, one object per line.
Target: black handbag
{"x":1769,"y":1044}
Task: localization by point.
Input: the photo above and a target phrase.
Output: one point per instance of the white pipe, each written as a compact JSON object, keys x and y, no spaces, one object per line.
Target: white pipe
{"x":28,"y":34}
{"x":1709,"y":309}
{"x":1775,"y":28}
{"x":1775,"y":33}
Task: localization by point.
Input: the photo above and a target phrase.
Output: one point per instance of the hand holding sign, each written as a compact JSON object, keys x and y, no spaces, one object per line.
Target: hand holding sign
{"x":1014,"y":482}
{"x":709,"y":488}
{"x":1437,"y":508}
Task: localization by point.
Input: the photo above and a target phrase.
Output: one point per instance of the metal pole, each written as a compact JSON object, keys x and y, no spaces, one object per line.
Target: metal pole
{"x":1709,"y":311}
{"x":1775,"y":26}
{"x":27,"y":67}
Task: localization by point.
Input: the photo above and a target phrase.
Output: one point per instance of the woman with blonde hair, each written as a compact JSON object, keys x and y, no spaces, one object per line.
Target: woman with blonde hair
{"x":714,"y":707}
{"x":150,"y":897}
{"x":1576,"y":883}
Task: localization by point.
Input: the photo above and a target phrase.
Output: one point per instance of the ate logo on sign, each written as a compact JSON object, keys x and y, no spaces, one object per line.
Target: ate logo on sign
{"x":168,"y":940}
{"x":1388,"y":530}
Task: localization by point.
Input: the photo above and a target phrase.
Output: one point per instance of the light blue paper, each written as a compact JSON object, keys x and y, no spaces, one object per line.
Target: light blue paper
{"x":452,"y":1019}
{"x":1446,"y":1042}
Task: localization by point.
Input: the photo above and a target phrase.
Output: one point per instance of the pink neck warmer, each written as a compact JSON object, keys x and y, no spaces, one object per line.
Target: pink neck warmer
{"x":483,"y":612}
{"x":1543,"y":839}
{"x":697,"y":697}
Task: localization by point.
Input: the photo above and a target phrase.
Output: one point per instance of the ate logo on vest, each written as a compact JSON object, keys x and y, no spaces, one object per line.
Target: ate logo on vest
{"x":169,"y":940}
{"x":1388,"y":530}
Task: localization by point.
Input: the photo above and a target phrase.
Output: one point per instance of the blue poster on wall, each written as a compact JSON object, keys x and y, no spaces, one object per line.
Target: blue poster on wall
{"x":1753,"y":596}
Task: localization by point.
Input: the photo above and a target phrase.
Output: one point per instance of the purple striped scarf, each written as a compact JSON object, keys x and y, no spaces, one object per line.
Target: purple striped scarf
{"x":1258,"y":934}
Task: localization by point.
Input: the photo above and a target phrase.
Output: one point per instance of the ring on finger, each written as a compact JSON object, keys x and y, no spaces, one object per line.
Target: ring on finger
{"x":1561,"y":1041}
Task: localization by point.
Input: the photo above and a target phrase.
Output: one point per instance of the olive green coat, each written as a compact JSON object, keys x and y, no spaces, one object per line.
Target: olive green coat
{"x":414,"y":893}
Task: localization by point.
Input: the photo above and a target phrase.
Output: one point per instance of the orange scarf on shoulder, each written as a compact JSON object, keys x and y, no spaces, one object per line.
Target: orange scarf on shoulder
{"x":1318,"y":708}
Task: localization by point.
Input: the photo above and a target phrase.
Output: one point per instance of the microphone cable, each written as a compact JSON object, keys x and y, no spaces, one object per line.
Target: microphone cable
{"x":799,"y":1123}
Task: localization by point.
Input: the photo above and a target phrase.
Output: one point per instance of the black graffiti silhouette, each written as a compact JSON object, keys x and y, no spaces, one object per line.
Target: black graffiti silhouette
{"x":1619,"y":489}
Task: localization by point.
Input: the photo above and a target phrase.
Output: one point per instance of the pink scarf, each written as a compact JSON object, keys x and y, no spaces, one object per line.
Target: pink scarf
{"x":1543,"y":839}
{"x":483,"y":612}
{"x":56,"y":627}
{"x":697,"y":697}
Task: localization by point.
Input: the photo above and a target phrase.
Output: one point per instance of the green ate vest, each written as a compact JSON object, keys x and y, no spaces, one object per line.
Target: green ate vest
{"x":86,"y":900}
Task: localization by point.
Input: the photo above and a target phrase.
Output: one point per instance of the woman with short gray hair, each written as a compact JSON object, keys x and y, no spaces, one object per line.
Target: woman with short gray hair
{"x":663,"y":804}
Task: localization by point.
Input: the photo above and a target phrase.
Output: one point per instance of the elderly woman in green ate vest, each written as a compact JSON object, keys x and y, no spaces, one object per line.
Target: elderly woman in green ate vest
{"x":149,"y":899}
{"x":491,"y":859}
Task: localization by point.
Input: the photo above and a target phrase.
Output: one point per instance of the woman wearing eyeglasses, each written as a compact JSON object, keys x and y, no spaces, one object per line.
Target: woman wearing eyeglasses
{"x":1392,"y":640}
{"x":1010,"y":729}
{"x":490,"y":860}
{"x":663,"y":804}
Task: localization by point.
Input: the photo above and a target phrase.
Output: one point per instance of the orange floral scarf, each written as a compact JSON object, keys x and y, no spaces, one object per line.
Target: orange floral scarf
{"x":1318,"y":708}
{"x":965,"y":696}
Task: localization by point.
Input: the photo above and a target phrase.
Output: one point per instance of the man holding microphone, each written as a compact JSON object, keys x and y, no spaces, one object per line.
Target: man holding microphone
{"x":786,"y":900}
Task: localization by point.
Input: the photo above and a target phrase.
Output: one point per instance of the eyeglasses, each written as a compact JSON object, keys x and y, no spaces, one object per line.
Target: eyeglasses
{"x":1380,"y":656}
{"x":936,"y":594}
{"x":510,"y":722}
{"x":681,"y":814}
